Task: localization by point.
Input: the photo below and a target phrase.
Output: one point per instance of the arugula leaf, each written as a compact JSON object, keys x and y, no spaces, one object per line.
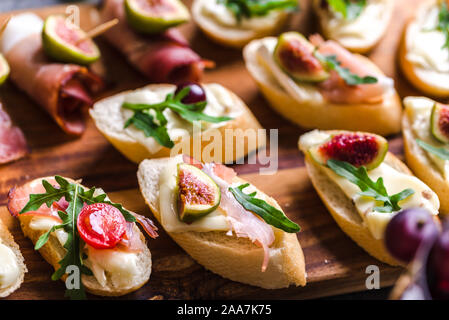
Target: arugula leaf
{"x":441,"y":152}
{"x":145,"y":122}
{"x":368,"y":187}
{"x":443,"y":22}
{"x":268,"y":213}
{"x":350,"y":9}
{"x":76,"y":196}
{"x":257,"y":8}
{"x":350,"y":78}
{"x":156,"y":128}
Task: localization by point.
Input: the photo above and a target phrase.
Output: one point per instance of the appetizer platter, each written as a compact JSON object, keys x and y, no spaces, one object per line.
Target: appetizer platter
{"x":66,"y":150}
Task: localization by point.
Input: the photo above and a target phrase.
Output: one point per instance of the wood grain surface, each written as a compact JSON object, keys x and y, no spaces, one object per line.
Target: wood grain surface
{"x":334,"y":263}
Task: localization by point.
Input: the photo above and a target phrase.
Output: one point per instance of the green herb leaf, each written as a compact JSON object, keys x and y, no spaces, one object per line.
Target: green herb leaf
{"x":368,"y":187}
{"x":268,"y":213}
{"x":441,"y":152}
{"x":76,"y":196}
{"x":350,"y":78}
{"x":257,"y":8}
{"x":350,"y":9}
{"x":156,"y":128}
{"x":443,"y":22}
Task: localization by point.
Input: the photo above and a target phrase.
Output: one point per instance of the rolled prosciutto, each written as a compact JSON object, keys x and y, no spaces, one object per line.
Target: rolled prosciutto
{"x":63,"y":90}
{"x":161,"y":58}
{"x":13,"y":145}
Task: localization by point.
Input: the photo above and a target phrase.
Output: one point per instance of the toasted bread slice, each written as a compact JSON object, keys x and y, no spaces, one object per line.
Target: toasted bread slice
{"x":382,"y":118}
{"x":343,"y":210}
{"x":7,"y":240}
{"x":423,"y":167}
{"x":53,"y":252}
{"x":420,"y":77}
{"x":230,"y":36}
{"x":106,"y":114}
{"x":234,"y":258}
{"x":362,"y":43}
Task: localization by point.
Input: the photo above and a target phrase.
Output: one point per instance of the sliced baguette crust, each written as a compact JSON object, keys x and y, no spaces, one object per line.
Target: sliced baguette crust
{"x":53,"y":252}
{"x":234,"y":258}
{"x":381,"y":118}
{"x":136,"y":152}
{"x":344,"y":212}
{"x":423,"y":167}
{"x":231,"y":37}
{"x":361,"y":48}
{"x":410,"y":70}
{"x":8,"y":240}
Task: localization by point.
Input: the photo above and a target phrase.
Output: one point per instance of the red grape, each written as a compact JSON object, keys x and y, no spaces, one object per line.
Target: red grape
{"x":195,"y":95}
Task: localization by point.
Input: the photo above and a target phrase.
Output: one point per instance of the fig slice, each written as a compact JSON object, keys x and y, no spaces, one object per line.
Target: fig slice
{"x":197,"y":194}
{"x":294,"y":54}
{"x":155,"y":16}
{"x":439,"y":122}
{"x":60,"y":37}
{"x":4,"y":69}
{"x":359,"y":149}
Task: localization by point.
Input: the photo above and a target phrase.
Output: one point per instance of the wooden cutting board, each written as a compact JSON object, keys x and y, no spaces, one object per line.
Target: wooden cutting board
{"x":334,"y":263}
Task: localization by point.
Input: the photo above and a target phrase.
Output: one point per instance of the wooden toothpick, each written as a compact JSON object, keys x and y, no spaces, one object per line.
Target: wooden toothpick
{"x":98,"y":30}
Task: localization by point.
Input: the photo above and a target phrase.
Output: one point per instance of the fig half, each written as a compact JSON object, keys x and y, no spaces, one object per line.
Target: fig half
{"x":198,"y":195}
{"x":4,"y":69}
{"x":155,"y":16}
{"x":59,"y":39}
{"x":294,"y":54}
{"x":439,"y":122}
{"x":359,"y":149}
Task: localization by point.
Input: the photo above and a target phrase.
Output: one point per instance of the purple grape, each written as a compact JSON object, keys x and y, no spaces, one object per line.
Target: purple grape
{"x":407,"y":230}
{"x":195,"y":95}
{"x":438,"y":267}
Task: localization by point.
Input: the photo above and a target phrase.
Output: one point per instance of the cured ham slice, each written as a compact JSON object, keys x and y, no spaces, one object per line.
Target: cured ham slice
{"x":63,"y":90}
{"x":244,"y":223}
{"x":13,"y":145}
{"x":162,"y":58}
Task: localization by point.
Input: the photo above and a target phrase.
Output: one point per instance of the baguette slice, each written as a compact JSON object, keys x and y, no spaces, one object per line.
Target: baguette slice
{"x":232,"y":37}
{"x":234,"y":258}
{"x":53,"y":252}
{"x":418,"y":76}
{"x":343,"y":210}
{"x":381,"y":118}
{"x":7,"y":239}
{"x":423,"y":167}
{"x":105,"y":116}
{"x":356,"y":44}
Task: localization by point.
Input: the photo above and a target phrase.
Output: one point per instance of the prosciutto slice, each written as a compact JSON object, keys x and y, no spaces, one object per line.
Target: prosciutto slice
{"x":162,"y":58}
{"x":244,"y":223}
{"x":13,"y":145}
{"x":63,"y":90}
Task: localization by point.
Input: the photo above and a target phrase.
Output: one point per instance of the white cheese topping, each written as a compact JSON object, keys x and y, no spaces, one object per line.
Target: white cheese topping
{"x":419,"y":110}
{"x":9,"y":268}
{"x":214,"y":221}
{"x":394,"y":182}
{"x":425,"y":47}
{"x":362,"y":31}
{"x":220,"y":13}
{"x":20,"y":27}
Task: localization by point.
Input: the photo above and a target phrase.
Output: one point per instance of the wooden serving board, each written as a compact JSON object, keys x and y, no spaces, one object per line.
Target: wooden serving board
{"x":334,"y":263}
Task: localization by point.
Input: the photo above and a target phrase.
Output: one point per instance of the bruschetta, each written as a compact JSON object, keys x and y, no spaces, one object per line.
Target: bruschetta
{"x":363,"y":185}
{"x":200,"y":118}
{"x":424,"y":51}
{"x":235,"y":23}
{"x":426,"y":144}
{"x":12,"y":265}
{"x":319,"y":84}
{"x":356,"y":25}
{"x":74,"y":226}
{"x":226,"y":224}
